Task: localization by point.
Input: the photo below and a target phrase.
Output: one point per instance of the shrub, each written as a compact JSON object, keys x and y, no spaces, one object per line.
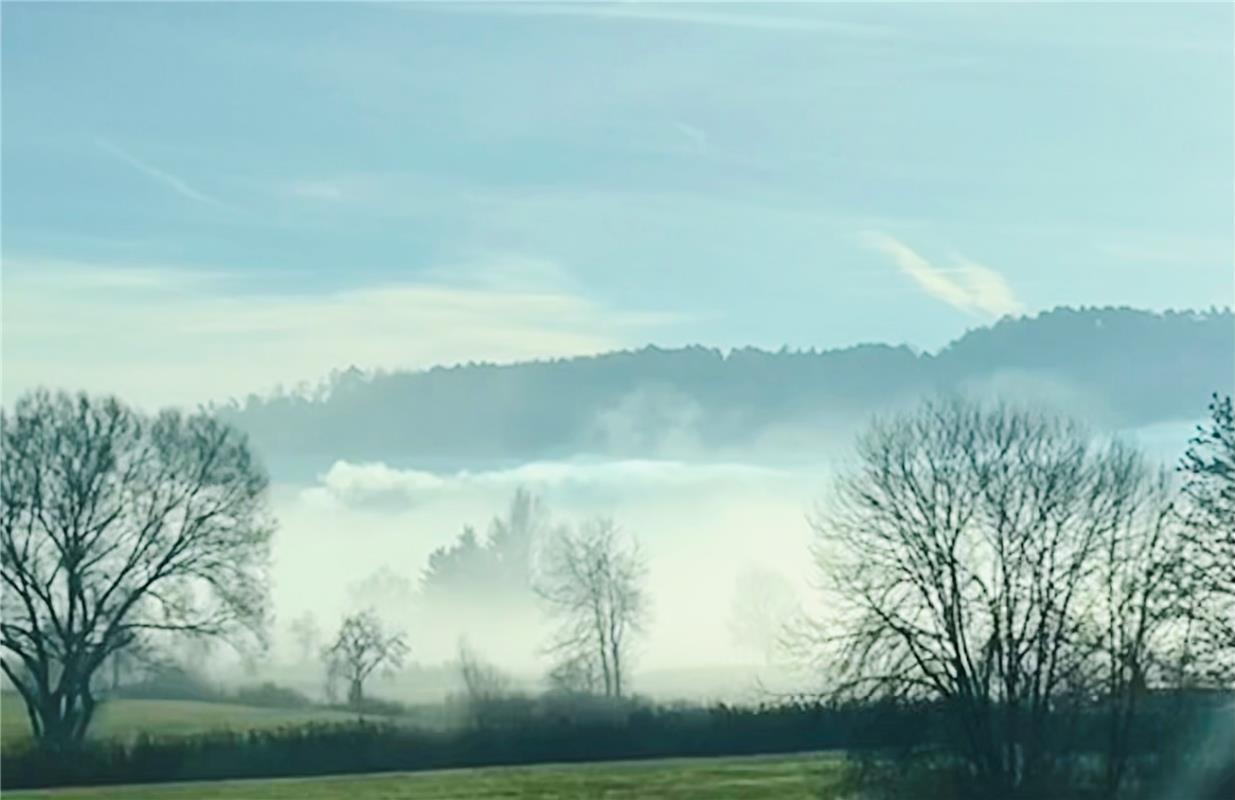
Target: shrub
{"x":270,"y":695}
{"x":891,"y":747}
{"x":172,"y":682}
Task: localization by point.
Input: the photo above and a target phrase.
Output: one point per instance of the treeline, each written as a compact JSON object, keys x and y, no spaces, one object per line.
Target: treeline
{"x":1122,"y":366}
{"x":177,"y":683}
{"x":576,"y":730}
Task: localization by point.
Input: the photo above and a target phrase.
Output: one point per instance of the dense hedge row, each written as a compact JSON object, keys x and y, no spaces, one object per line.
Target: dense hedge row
{"x":369,"y":746}
{"x":551,"y":734}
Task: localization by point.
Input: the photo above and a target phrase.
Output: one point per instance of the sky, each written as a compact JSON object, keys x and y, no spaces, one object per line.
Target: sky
{"x":200,"y":201}
{"x":206,"y":200}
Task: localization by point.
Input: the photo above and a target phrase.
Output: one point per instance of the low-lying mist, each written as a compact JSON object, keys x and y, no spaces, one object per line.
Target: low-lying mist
{"x":726,"y":541}
{"x":362,"y":535}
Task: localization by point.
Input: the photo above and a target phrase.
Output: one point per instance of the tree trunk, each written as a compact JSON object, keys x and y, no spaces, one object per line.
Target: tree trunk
{"x":63,"y":719}
{"x":616,"y":660}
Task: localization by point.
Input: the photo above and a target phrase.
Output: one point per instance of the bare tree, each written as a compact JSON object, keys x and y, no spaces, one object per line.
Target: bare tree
{"x":763,"y":606}
{"x":114,"y":527}
{"x":574,"y":672}
{"x":592,"y":581}
{"x":360,"y":648}
{"x":1136,"y":611}
{"x":968,"y":555}
{"x":307,"y":635}
{"x":484,"y":685}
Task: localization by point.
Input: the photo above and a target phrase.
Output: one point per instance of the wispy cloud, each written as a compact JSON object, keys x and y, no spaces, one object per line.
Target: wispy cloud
{"x":317,"y":189}
{"x":697,"y":137}
{"x":167,"y":179}
{"x":52,"y":275}
{"x":686,"y":14}
{"x":507,"y":273}
{"x":89,"y":326}
{"x":966,"y":285}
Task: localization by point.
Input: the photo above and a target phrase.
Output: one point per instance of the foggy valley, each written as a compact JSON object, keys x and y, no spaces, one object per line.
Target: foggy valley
{"x":645,"y":400}
{"x":696,"y":468}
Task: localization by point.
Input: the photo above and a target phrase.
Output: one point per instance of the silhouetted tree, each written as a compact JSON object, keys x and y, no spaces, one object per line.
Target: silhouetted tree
{"x":1002,"y":562}
{"x":592,"y":582}
{"x":1208,"y":466}
{"x":359,"y":649}
{"x":1136,"y":615}
{"x":116,"y":526}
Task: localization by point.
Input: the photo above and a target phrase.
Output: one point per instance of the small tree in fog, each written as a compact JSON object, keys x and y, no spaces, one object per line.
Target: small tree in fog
{"x":118,"y":527}
{"x":763,"y":605}
{"x":592,"y":582}
{"x":484,"y":685}
{"x":481,"y":680}
{"x":498,"y":566}
{"x":359,"y":649}
{"x":1003,"y":563}
{"x":575,"y":673}
{"x":384,"y":589}
{"x":307,"y":635}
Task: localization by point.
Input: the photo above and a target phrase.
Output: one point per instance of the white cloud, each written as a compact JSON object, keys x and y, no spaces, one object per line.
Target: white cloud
{"x":173,"y":182}
{"x":688,"y":14}
{"x":372,"y":485}
{"x":967,"y":285}
{"x":158,"y":335}
{"x":316,"y":189}
{"x":508,"y":273}
{"x":698,"y":138}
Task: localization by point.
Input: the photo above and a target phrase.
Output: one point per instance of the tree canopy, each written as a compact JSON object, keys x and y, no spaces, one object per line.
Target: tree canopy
{"x":118,"y":527}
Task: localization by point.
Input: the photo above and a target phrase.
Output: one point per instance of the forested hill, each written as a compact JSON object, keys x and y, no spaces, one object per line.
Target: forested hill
{"x":1118,"y":367}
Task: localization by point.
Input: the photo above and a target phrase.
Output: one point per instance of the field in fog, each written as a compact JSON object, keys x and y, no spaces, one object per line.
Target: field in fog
{"x":618,"y":399}
{"x":362,"y":521}
{"x":125,"y":719}
{"x":360,"y":534}
{"x":751,"y":778}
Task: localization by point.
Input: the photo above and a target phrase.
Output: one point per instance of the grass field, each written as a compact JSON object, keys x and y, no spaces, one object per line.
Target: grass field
{"x":751,"y":778}
{"x":125,"y":718}
{"x":754,"y":778}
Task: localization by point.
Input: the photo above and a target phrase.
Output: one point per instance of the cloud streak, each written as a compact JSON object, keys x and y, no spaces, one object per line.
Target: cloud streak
{"x":687,"y":15}
{"x":163,"y":177}
{"x":967,"y":285}
{"x":89,"y":326}
{"x":376,"y":485}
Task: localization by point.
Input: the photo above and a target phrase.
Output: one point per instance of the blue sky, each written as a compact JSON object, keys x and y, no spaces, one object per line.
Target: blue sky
{"x":204,"y":200}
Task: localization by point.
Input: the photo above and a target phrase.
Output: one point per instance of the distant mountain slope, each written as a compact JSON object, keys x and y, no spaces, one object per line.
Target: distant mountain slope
{"x":1116,"y":366}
